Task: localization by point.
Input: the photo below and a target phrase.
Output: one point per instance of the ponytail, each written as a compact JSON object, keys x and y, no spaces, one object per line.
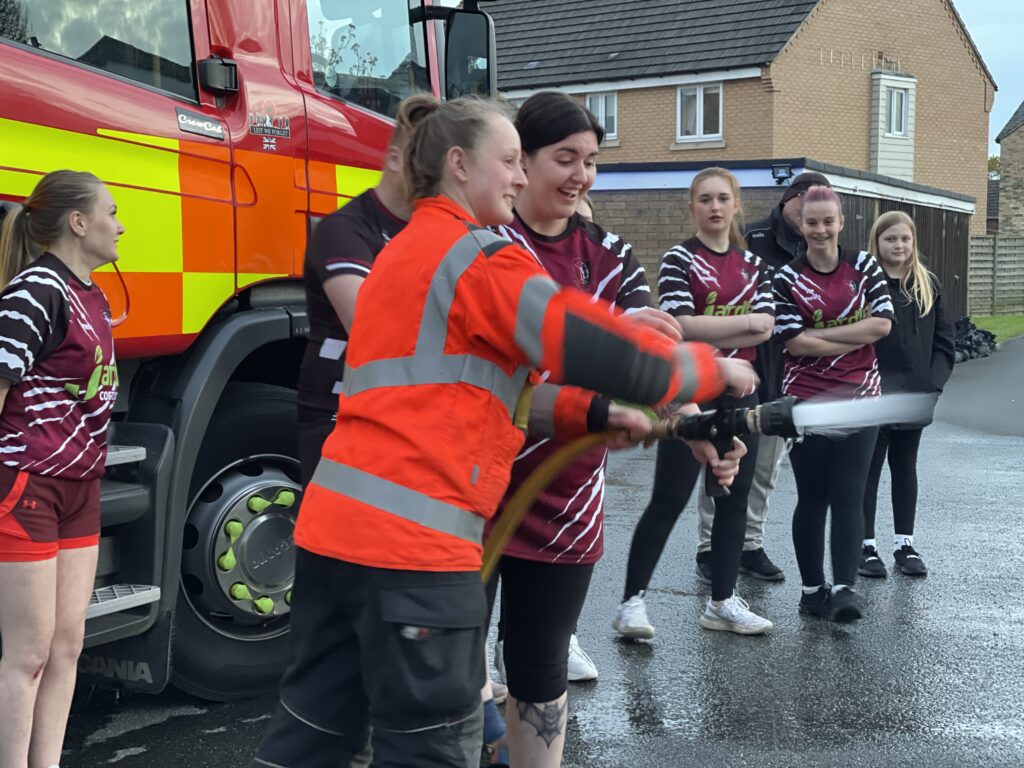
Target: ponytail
{"x":42,"y":219}
{"x":435,"y":128}
{"x":16,"y":251}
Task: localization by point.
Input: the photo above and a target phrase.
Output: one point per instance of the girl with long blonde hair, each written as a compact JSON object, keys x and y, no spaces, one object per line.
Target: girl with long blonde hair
{"x":917,"y":356}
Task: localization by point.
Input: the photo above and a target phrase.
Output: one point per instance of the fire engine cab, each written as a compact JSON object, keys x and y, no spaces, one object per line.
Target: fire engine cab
{"x":224,"y":129}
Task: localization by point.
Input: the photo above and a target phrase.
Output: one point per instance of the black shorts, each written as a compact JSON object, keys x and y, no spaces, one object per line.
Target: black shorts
{"x":541,"y":603}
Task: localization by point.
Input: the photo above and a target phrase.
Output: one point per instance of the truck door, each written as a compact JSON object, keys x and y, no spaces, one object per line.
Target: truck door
{"x":110,"y":87}
{"x":268,"y":135}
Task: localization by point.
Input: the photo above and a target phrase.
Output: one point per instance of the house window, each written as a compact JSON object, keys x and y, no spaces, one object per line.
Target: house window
{"x":699,"y":112}
{"x":605,"y":107}
{"x":897,"y":105}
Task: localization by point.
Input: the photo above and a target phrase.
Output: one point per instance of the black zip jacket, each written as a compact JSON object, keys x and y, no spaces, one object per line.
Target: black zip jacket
{"x":919,"y":352}
{"x":777,"y":244}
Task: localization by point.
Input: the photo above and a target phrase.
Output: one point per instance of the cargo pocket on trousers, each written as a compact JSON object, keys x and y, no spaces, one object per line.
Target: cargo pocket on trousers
{"x":435,"y":634}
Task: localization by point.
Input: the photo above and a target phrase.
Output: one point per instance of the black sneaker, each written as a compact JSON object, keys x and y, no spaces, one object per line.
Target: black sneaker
{"x":756,"y":563}
{"x":847,"y":605}
{"x":871,"y":564}
{"x":704,"y":567}
{"x":817,"y":603}
{"x":909,"y":562}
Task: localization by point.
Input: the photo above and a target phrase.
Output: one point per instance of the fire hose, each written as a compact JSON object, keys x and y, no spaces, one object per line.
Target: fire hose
{"x":785,"y":417}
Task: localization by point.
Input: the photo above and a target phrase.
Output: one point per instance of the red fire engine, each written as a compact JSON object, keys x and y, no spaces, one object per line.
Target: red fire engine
{"x":224,"y":129}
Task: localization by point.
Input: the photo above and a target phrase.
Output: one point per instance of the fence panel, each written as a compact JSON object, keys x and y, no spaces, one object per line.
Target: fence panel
{"x":997,"y":275}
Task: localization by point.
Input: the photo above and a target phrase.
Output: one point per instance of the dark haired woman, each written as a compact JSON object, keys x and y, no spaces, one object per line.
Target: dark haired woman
{"x":831,"y":307}
{"x":388,"y":611}
{"x":721,"y":294}
{"x":58,"y":384}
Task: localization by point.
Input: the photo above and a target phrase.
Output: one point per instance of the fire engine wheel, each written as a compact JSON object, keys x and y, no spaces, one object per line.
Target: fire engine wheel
{"x":231,"y":622}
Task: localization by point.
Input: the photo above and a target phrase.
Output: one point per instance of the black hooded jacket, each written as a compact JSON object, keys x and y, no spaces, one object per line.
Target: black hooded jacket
{"x":919,"y":352}
{"x":777,"y":244}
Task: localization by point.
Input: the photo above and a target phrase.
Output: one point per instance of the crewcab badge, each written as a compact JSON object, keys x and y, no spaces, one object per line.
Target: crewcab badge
{"x":198,"y":123}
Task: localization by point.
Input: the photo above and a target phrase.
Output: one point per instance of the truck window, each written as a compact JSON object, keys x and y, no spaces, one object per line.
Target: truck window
{"x":148,"y":42}
{"x":367,"y":52}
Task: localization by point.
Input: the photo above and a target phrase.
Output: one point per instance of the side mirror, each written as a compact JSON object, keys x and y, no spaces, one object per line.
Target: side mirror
{"x":470,"y":61}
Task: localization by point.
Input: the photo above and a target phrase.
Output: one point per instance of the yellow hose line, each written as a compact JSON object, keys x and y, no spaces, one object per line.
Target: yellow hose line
{"x":514,"y":512}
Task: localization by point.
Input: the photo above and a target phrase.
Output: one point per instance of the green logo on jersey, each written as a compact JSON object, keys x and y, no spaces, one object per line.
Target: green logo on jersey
{"x":102,"y":376}
{"x":726,"y":309}
{"x":817,"y":319}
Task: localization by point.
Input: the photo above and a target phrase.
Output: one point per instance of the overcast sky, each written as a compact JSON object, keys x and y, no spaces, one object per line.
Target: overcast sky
{"x":997,"y":28}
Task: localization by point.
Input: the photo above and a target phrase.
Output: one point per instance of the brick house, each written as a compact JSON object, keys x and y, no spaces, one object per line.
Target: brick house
{"x":891,"y":100}
{"x":1011,"y":175}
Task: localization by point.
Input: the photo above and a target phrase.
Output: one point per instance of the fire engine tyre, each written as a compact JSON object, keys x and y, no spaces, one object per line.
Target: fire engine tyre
{"x":230,"y":637}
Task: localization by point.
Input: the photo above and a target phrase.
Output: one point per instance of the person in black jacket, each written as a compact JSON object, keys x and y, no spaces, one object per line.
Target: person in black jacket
{"x":917,"y":356}
{"x":776,"y":240}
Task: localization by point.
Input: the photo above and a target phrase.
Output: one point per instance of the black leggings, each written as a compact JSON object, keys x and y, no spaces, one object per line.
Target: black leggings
{"x":901,"y":446}
{"x":541,"y":603}
{"x":830,"y":473}
{"x":675,"y":474}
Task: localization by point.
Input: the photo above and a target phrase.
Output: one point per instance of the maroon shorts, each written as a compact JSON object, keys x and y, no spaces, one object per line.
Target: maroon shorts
{"x":41,"y":515}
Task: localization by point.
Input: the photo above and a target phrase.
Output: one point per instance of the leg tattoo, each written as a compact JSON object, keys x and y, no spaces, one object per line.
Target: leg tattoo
{"x":545,"y":718}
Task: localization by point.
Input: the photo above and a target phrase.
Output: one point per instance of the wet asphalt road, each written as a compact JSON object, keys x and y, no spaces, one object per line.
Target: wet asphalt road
{"x":932,"y":676}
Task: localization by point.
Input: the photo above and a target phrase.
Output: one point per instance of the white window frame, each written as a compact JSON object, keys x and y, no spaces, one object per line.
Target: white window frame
{"x":892,"y":127}
{"x":601,"y":114}
{"x":699,"y":89}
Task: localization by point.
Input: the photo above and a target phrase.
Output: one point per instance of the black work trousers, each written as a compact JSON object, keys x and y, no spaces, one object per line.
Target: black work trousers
{"x":900,"y":446}
{"x":830,"y":474}
{"x":398,"y":655}
{"x":675,"y":474}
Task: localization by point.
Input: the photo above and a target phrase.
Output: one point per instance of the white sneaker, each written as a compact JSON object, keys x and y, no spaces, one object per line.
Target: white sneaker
{"x":632,"y":621}
{"x":734,"y":615}
{"x":499,"y":660}
{"x":581,"y":666}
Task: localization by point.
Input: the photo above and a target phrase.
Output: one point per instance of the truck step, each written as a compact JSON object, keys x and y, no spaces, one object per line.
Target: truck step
{"x":125,"y":454}
{"x":120,"y":597}
{"x":122,"y":502}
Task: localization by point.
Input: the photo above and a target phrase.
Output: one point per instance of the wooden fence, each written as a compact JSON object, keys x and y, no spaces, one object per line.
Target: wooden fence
{"x":996,"y":275}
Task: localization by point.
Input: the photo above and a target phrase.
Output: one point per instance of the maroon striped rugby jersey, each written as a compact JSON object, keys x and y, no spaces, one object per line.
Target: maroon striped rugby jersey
{"x":695,"y":280}
{"x":566,"y":523}
{"x":806,"y":298}
{"x":57,"y":351}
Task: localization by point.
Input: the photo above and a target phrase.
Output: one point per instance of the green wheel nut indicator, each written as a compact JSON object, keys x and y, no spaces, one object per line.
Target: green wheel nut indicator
{"x":288,"y":597}
{"x":257,"y":504}
{"x":233,"y":529}
{"x":239,"y":591}
{"x":284,"y":498}
{"x":263,"y":604}
{"x":227,"y":562}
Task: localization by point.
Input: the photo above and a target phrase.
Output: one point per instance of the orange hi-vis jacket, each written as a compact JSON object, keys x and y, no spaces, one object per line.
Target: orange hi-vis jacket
{"x":448,"y":327}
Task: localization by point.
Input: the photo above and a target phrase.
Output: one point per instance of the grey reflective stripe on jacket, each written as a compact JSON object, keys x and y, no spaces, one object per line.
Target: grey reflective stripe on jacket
{"x":399,"y":501}
{"x":429,"y":365}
